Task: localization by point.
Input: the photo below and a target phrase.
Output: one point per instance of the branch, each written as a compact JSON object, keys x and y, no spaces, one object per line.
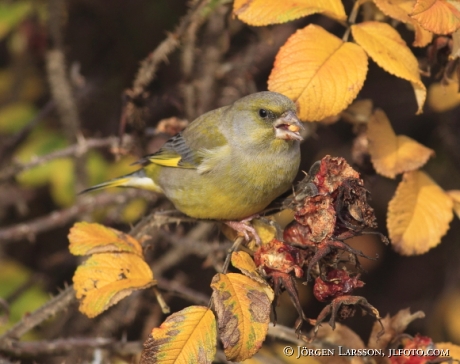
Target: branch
{"x":60,"y":86}
{"x":149,"y":66}
{"x":28,"y":322}
{"x":59,"y":218}
{"x":136,"y":95}
{"x":65,"y":346}
{"x":72,"y":151}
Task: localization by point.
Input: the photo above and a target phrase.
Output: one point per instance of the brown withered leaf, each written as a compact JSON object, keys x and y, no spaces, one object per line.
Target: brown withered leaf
{"x":243,"y":314}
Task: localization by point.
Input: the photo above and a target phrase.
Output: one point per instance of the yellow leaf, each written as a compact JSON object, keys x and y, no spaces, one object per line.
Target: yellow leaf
{"x":443,"y":97}
{"x":105,"y":279}
{"x":265,"y":12}
{"x":319,"y":72}
{"x":393,"y":154}
{"x":454,"y":350}
{"x":62,"y":181}
{"x":246,"y":265}
{"x":243,"y":314}
{"x":40,"y":142}
{"x":400,"y":10}
{"x":437,"y":16}
{"x":187,"y":336}
{"x":386,"y":47}
{"x":89,"y":238}
{"x":455,"y":196}
{"x":418,"y":215}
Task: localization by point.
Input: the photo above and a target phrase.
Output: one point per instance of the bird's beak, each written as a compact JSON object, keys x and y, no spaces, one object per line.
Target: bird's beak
{"x":287,"y":127}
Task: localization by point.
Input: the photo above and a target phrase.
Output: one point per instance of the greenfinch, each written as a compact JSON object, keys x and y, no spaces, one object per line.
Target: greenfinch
{"x":229,"y":163}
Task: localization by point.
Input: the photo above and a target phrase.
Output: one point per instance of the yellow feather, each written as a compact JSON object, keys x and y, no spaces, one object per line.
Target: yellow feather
{"x":167,"y":162}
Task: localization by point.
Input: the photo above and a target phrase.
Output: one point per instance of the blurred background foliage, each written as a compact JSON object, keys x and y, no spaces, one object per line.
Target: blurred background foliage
{"x":103,"y":43}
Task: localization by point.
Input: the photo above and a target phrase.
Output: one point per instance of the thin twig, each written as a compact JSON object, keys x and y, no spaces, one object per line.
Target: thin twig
{"x":55,"y":219}
{"x":71,"y":151}
{"x":177,"y":289}
{"x":183,"y":247}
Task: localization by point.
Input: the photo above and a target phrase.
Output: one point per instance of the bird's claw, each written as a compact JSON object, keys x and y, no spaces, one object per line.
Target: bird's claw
{"x":246,"y":230}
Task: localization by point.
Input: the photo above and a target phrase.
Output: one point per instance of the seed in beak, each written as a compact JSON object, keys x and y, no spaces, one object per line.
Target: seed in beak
{"x":293,"y":128}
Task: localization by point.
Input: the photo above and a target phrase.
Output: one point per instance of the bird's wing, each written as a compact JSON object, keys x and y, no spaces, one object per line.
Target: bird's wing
{"x":174,"y":153}
{"x":190,"y":148}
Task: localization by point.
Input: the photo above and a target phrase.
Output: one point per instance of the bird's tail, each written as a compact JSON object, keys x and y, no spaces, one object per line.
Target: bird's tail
{"x":137,"y":179}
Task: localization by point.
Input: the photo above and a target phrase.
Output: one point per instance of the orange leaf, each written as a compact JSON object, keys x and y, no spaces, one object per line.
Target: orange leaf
{"x":243,"y":314}
{"x":443,"y":97}
{"x":386,"y":47}
{"x":318,"y":71}
{"x":392,"y":154}
{"x":418,"y":215}
{"x":90,"y":238}
{"x":187,"y":336}
{"x":400,"y":10}
{"x":105,"y":279}
{"x":437,"y":16}
{"x":455,"y":197}
{"x":265,"y":12}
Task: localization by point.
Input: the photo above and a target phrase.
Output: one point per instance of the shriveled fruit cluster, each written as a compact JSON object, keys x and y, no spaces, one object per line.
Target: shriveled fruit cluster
{"x":330,"y":206}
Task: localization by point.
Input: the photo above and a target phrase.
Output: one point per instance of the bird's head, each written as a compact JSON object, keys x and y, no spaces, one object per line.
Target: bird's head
{"x":265,"y":117}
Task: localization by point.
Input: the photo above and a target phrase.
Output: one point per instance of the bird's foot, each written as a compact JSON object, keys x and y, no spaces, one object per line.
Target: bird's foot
{"x":242,"y":227}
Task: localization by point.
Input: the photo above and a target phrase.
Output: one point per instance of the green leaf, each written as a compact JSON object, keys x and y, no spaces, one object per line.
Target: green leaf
{"x":11,"y":14}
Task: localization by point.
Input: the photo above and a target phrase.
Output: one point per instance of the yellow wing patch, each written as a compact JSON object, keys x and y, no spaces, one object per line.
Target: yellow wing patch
{"x":165,"y":161}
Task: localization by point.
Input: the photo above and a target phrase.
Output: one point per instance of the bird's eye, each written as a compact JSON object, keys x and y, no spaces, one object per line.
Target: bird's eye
{"x":263,"y":113}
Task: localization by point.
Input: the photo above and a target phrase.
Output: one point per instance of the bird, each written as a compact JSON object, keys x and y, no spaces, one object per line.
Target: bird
{"x":228,"y":164}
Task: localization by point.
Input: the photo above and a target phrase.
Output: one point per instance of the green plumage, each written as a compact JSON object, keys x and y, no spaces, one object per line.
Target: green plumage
{"x":229,"y":163}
